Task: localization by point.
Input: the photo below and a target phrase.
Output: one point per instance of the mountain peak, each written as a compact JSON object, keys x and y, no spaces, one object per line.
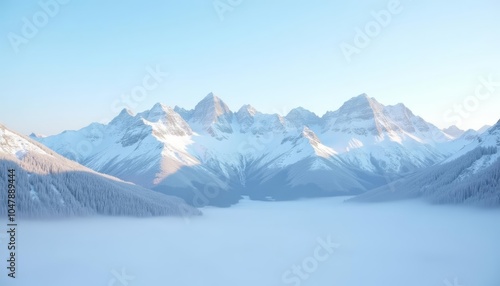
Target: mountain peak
{"x":454,"y":131}
{"x":401,"y":107}
{"x":35,"y":135}
{"x":126,"y":111}
{"x":157,"y":112}
{"x":248,"y":108}
{"x":123,"y":116}
{"x":159,"y":105}
{"x":211,"y":98}
{"x":301,"y":110}
{"x":213,"y":116}
{"x":209,"y":109}
{"x":302,"y":117}
{"x":245,"y":117}
{"x":210,"y":95}
{"x":361,"y":99}
{"x":361,"y":106}
{"x":363,"y":115}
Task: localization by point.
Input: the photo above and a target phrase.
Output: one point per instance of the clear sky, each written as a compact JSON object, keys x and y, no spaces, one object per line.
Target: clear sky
{"x":275,"y":55}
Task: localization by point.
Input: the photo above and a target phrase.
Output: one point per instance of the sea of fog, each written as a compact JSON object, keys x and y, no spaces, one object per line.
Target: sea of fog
{"x":318,"y":242}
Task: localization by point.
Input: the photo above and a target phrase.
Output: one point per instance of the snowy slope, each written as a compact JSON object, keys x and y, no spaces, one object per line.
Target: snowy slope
{"x":51,"y":185}
{"x":470,"y":176}
{"x":212,"y":155}
{"x":385,"y":139}
{"x":483,"y":129}
{"x":454,"y":131}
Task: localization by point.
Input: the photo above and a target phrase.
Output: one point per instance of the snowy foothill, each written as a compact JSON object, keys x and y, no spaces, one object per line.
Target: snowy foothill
{"x":268,"y":243}
{"x":49,"y":185}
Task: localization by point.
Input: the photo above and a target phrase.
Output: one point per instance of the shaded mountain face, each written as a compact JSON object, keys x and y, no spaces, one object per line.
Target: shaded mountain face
{"x":470,"y":176}
{"x":483,"y":129}
{"x":300,"y":117}
{"x":213,"y":116}
{"x":359,"y":116}
{"x":454,"y":131}
{"x":50,"y":185}
{"x":365,"y":117}
{"x":212,"y":155}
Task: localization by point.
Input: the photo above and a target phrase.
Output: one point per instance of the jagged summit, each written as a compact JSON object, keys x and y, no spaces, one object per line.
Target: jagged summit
{"x":213,"y":116}
{"x":300,"y":116}
{"x":247,"y":109}
{"x":212,"y":100}
{"x":398,"y":110}
{"x":361,"y":106}
{"x":125,"y":113}
{"x":159,"y":107}
{"x":454,"y":131}
{"x":184,"y":150}
{"x":362,"y":99}
{"x":245,"y":117}
{"x":360,"y":115}
{"x":186,"y":114}
{"x":209,"y":109}
{"x":210,"y":96}
{"x":33,"y":134}
{"x":157,"y":112}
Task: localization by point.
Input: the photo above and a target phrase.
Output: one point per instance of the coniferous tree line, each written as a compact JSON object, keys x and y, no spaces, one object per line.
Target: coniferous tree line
{"x":45,"y":189}
{"x":455,"y":182}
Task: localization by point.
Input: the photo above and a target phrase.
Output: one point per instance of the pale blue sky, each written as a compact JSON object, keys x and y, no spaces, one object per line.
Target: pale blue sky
{"x":275,"y":55}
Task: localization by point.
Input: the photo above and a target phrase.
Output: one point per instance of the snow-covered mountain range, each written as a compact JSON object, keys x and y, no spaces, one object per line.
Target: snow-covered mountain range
{"x":471,"y":176}
{"x":213,"y":155}
{"x":49,"y":185}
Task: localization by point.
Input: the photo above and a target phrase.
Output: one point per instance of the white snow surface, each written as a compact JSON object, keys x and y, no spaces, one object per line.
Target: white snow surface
{"x":218,"y":145}
{"x":488,"y":139}
{"x":49,"y":185}
{"x":14,"y":144}
{"x":256,"y":243}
